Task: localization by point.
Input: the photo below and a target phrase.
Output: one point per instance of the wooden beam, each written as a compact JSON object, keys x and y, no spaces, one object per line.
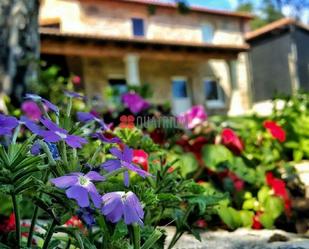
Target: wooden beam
{"x":88,"y":49}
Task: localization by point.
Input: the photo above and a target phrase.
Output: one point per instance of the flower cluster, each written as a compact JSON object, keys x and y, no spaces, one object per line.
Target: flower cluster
{"x":77,"y":185}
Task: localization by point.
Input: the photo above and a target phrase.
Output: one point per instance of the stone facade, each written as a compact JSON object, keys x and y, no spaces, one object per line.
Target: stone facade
{"x":113,"y":19}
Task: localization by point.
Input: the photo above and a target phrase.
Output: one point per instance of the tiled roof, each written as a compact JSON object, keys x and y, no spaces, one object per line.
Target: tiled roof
{"x":273,"y":26}
{"x":56,"y":33}
{"x":192,"y":8}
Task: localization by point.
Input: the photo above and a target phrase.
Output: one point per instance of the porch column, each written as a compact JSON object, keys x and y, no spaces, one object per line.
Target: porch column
{"x":236,"y":103}
{"x":132,"y":69}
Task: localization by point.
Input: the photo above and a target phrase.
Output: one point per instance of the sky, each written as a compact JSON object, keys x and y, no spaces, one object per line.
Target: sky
{"x":232,"y":4}
{"x":216,"y":4}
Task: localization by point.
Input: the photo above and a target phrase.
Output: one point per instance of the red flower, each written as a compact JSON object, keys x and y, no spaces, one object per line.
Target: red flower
{"x":140,"y":157}
{"x":232,"y":141}
{"x":7,"y":225}
{"x":201,"y":223}
{"x":276,"y":130}
{"x":279,"y":188}
{"x":76,"y":80}
{"x":239,"y":185}
{"x":74,"y":221}
{"x":256,"y":221}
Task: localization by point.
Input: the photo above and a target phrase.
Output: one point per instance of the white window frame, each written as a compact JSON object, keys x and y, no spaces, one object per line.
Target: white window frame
{"x":218,"y":103}
{"x":213,"y":31}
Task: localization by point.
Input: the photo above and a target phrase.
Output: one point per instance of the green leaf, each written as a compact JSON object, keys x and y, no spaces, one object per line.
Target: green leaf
{"x":267,"y":220}
{"x":230,"y":217}
{"x":274,"y":205}
{"x":121,"y":230}
{"x":249,"y":204}
{"x":246,"y":218}
{"x":263,"y":194}
{"x":214,"y":155}
{"x":187,"y":163}
{"x":298,"y":155}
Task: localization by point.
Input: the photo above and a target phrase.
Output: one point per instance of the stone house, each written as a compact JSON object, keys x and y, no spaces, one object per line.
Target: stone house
{"x":199,"y":57}
{"x":279,"y":58}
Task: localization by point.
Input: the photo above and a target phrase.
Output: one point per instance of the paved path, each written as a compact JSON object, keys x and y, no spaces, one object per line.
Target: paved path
{"x":241,"y":239}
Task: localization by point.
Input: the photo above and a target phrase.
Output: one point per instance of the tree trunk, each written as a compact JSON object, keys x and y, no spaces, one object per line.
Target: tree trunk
{"x":19,"y":46}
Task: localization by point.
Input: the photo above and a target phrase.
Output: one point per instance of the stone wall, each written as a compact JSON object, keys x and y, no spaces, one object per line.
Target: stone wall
{"x":113,"y":18}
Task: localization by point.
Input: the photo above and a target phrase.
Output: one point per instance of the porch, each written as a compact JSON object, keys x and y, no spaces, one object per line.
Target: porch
{"x":180,"y":73}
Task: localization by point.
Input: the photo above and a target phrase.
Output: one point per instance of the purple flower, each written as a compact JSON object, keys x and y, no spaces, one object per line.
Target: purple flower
{"x":193,"y":117}
{"x":31,"y":110}
{"x":71,"y":94}
{"x":121,"y":205}
{"x":80,"y":187}
{"x":106,"y":139}
{"x":47,"y":103}
{"x":86,"y":117}
{"x":134,"y":102}
{"x":87,"y":216}
{"x":7,"y":124}
{"x":124,"y":159}
{"x":32,"y":126}
{"x":55,"y":134}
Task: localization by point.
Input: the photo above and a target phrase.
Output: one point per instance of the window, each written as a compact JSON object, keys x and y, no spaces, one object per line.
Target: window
{"x":179,"y":88}
{"x":214,"y":94}
{"x":138,"y":27}
{"x":207,"y":32}
{"x":119,"y":85}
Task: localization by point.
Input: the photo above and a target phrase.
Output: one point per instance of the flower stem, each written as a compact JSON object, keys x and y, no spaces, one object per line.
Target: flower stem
{"x":17,"y":219}
{"x":64,"y":153}
{"x":49,"y":234}
{"x":136,"y":236}
{"x":43,"y":110}
{"x":95,"y":155}
{"x":15,"y":135}
{"x":69,"y":108}
{"x":35,"y":214}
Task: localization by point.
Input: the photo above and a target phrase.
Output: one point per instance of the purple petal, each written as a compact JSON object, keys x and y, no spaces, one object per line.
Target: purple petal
{"x":74,"y":95}
{"x":64,"y":181}
{"x":33,"y":127}
{"x":7,"y":124}
{"x":131,"y":213}
{"x":132,"y":198}
{"x":52,"y":126}
{"x":112,"y":206}
{"x":111,"y":165}
{"x":107,"y":140}
{"x":126,"y":179}
{"x":94,"y":176}
{"x":51,"y":106}
{"x":138,"y":170}
{"x":127,"y":154}
{"x":35,"y":148}
{"x":117,"y":213}
{"x":79,"y":194}
{"x":95,"y":196}
{"x":85,"y":116}
{"x":116,"y":152}
{"x":50,"y":136}
{"x":75,"y":141}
